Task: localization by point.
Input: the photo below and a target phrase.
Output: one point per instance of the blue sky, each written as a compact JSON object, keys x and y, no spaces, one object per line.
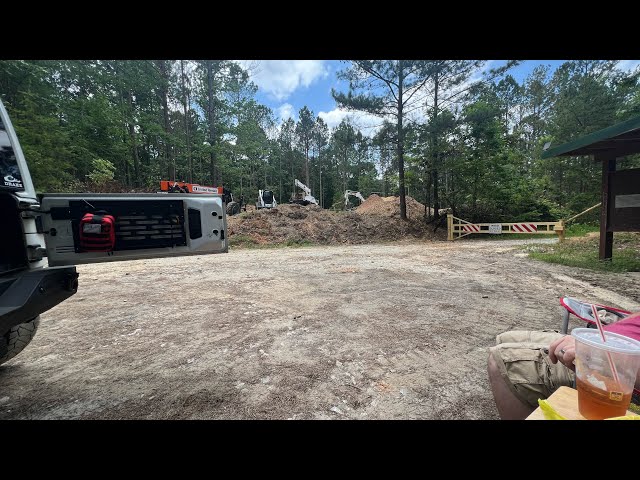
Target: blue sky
{"x":287,"y":85}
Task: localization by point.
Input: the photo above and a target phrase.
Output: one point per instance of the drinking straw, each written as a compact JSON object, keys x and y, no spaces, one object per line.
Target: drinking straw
{"x":604,"y":340}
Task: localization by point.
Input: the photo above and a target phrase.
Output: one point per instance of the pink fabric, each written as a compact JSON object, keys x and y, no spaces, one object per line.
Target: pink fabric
{"x":628,"y":326}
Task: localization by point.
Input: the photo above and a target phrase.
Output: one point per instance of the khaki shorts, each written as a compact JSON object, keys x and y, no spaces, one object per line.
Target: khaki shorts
{"x":526,"y":368}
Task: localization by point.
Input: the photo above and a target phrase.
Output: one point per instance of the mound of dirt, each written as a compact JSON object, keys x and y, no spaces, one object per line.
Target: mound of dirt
{"x":390,"y":207}
{"x":293,"y":224}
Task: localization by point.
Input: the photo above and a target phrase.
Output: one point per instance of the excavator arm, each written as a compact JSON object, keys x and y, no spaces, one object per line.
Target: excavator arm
{"x":308,"y":198}
{"x":301,"y":185}
{"x":349,"y":193}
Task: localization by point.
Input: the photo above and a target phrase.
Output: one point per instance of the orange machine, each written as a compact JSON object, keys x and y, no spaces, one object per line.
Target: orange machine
{"x":183,"y":187}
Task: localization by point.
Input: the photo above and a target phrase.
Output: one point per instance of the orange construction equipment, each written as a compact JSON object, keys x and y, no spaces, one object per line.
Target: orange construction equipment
{"x":183,"y":187}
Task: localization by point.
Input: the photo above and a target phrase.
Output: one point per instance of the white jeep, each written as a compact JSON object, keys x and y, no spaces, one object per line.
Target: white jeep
{"x":40,"y":238}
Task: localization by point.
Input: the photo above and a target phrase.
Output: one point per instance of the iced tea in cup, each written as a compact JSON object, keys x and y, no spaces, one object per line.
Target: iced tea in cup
{"x":604,"y":392}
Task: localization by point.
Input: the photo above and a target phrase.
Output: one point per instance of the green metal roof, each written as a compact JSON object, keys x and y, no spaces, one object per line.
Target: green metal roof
{"x":618,"y":140}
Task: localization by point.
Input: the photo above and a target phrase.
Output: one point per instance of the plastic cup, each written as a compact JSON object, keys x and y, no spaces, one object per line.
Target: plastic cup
{"x":599,"y":394}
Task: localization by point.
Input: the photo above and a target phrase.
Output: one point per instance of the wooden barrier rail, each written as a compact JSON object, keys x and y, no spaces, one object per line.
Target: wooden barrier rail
{"x":581,"y":213}
{"x":458,"y":228}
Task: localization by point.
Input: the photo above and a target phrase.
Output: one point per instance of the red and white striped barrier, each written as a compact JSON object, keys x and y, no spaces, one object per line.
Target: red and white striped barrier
{"x":458,"y":228}
{"x":525,"y":227}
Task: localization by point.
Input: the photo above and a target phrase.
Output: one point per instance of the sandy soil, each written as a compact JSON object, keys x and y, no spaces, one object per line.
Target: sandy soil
{"x":397,"y":331}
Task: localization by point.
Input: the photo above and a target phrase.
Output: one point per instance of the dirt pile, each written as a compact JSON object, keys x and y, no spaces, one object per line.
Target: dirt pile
{"x":390,"y":207}
{"x":379,"y":220}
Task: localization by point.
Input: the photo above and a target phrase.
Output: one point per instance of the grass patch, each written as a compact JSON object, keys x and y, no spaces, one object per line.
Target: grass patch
{"x":508,"y":236}
{"x":242,"y":241}
{"x":580,"y":229}
{"x":583,"y":252}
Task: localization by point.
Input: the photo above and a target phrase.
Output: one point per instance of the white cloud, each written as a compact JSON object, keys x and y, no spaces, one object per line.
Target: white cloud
{"x":628,"y":65}
{"x":280,"y":78}
{"x":333,"y":117}
{"x":367,"y":123}
{"x":286,"y":111}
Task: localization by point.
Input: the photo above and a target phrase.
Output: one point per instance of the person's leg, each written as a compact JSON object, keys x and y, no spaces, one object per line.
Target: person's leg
{"x":520,"y":372}
{"x":509,"y":406}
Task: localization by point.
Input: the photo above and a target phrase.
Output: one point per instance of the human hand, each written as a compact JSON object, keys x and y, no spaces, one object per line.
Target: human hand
{"x":563,"y":350}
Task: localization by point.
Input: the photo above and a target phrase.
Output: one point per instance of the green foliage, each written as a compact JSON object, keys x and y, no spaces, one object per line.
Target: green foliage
{"x":536,"y":209}
{"x":102,"y":171}
{"x":48,"y":148}
{"x":470,"y":141}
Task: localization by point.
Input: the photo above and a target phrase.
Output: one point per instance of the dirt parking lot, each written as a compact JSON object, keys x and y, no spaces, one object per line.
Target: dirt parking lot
{"x":386,"y":331}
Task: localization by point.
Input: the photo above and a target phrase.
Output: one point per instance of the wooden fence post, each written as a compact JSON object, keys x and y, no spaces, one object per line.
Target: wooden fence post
{"x":560,"y":230}
{"x":449,"y":226}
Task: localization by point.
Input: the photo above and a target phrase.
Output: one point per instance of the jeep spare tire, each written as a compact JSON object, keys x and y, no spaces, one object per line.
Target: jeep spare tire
{"x":17,"y":338}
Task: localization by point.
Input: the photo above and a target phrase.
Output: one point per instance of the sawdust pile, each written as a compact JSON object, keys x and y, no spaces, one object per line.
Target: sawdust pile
{"x":377,"y":219}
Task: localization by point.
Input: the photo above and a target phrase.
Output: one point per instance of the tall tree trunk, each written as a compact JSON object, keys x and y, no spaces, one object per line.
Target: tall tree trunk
{"x":189,"y":152}
{"x":280,"y":178}
{"x":474,"y":195}
{"x":403,"y":202}
{"x":292,"y":174}
{"x":125,"y":161}
{"x":427,"y":202}
{"x":212,"y":120}
{"x":134,"y":145}
{"x":434,"y":170}
{"x":321,"y":192}
{"x":345,"y":169}
{"x":162,"y":67}
{"x":430,"y":198}
{"x":306,"y":163}
{"x":185,"y":101}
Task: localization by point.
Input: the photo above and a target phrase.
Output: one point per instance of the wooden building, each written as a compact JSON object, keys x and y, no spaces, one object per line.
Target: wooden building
{"x":620,"y":211}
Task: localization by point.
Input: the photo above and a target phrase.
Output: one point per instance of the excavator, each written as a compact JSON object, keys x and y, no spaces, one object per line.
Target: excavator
{"x":266,"y":199}
{"x":349,"y":193}
{"x":302,"y":198}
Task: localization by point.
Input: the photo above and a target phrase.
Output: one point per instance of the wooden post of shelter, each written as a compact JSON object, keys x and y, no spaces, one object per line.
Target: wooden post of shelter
{"x":605,"y":250}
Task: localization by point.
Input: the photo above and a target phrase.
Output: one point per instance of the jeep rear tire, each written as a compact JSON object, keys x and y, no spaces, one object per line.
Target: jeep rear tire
{"x":17,"y":338}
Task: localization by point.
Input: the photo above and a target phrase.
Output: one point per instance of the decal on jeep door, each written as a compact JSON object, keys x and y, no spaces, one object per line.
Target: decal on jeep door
{"x":9,"y":172}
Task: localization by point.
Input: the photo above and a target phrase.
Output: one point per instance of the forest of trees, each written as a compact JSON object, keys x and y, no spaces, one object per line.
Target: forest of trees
{"x":454,"y":134}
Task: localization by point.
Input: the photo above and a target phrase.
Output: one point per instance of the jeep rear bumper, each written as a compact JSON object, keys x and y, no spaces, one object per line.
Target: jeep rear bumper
{"x":27,"y":294}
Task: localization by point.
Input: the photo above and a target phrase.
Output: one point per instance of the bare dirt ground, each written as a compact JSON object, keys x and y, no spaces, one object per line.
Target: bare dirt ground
{"x":385,"y":331}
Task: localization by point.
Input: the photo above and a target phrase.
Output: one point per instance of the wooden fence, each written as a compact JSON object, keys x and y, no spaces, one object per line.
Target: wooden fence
{"x":458,"y":228}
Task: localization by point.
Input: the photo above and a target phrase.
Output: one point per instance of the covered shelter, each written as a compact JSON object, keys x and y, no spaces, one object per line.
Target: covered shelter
{"x":620,"y":211}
